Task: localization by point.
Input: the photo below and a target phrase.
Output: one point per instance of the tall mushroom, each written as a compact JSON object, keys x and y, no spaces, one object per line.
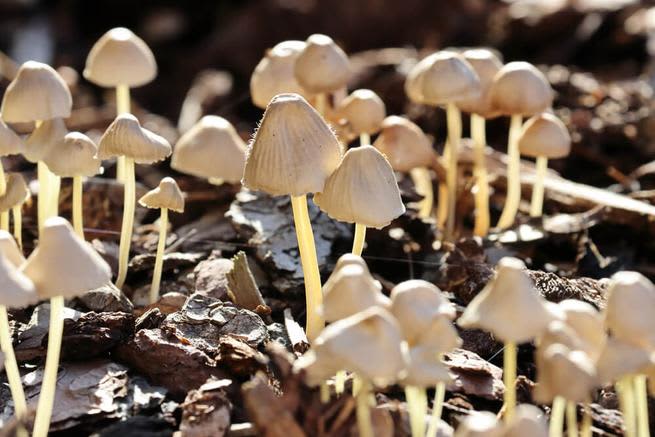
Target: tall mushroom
{"x":363,"y":111}
{"x":17,"y":193}
{"x":10,"y":144}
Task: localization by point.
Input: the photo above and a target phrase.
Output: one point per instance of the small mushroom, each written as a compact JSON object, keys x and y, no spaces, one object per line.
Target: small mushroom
{"x":364,"y":112}
{"x":587,"y":323}
{"x":10,"y":249}
{"x":480,"y":424}
{"x":527,"y":421}
{"x":16,"y":195}
{"x":10,"y":144}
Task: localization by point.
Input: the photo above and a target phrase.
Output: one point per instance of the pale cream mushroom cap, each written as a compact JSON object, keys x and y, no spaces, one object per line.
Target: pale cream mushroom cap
{"x":322,"y":67}
{"x":480,"y":424}
{"x":363,"y":189}
{"x":404,"y":144}
{"x":16,"y":194}
{"x":126,"y":137}
{"x":212,"y":148}
{"x":519,"y":88}
{"x":363,"y":110}
{"x":509,"y":306}
{"x":620,"y":358}
{"x":545,"y":135}
{"x":587,"y":322}
{"x":166,"y":195}
{"x":528,"y":420}
{"x":63,"y":264}
{"x":16,"y":289}
{"x":44,"y":139}
{"x":9,"y":249}
{"x":37,"y":93}
{"x":424,"y":368}
{"x":486,"y":64}
{"x":120,"y":57}
{"x":440,"y":336}
{"x":293,"y":151}
{"x":348,"y":259}
{"x":75,"y":155}
{"x":564,"y":372}
{"x":10,"y":143}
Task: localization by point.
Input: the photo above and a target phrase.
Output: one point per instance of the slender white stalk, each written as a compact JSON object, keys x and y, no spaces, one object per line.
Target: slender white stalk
{"x":478,"y":134}
{"x":4,"y":220}
{"x":513,"y":174}
{"x":537,"y":204}
{"x":437,"y":408}
{"x":129,"y":198}
{"x":641,"y":402}
{"x":123,"y":106}
{"x":454,"y":121}
{"x":364,"y":139}
{"x":509,"y":378}
{"x":159,"y":260}
{"x":78,"y":216}
{"x":3,"y":180}
{"x":359,"y":239}
{"x":364,"y":423}
{"x":17,"y":212}
{"x":423,"y":185}
{"x":557,"y":417}
{"x":11,"y":368}
{"x":571,"y":419}
{"x":417,"y":406}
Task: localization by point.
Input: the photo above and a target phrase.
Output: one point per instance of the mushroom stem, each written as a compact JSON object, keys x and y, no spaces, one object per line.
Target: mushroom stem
{"x":42,"y":202}
{"x":122,"y":106}
{"x":442,"y":204}
{"x":216,"y":181}
{"x":454,"y":121}
{"x":571,"y":419}
{"x":128,"y":221}
{"x":49,"y":384}
{"x":509,"y":378}
{"x":513,"y":174}
{"x":437,"y":408}
{"x":78,"y":220}
{"x":4,"y":220}
{"x":585,"y":430}
{"x":159,"y":260}
{"x":11,"y":368}
{"x":478,"y":134}
{"x":557,"y":417}
{"x":325,"y":392}
{"x":364,"y":424}
{"x":53,"y":194}
{"x":364,"y":139}
{"x":3,"y":180}
{"x":17,"y":212}
{"x":340,"y":382}
{"x":358,"y":240}
{"x":537,"y":204}
{"x":641,"y":400}
{"x":626,"y":403}
{"x":307,"y":250}
{"x":423,"y":185}
{"x":321,"y":103}
{"x":417,"y":406}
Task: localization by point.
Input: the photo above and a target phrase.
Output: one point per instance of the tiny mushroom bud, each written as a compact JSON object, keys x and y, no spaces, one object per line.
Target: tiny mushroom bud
{"x":9,"y":249}
{"x":322,"y":67}
{"x":364,"y":112}
{"x":10,"y":144}
{"x":564,"y":372}
{"x":480,"y":424}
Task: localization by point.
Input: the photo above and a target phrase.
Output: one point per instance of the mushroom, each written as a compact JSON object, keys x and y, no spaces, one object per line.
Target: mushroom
{"x":587,"y":323}
{"x":120,"y":60}
{"x":166,"y":196}
{"x":17,"y":193}
{"x":125,"y":137}
{"x":362,"y":190}
{"x":10,"y":144}
{"x":364,"y":112}
{"x":212,"y":149}
{"x":480,"y":424}
{"x":518,"y":90}
{"x":528,"y":421}
{"x":61,"y":266}
{"x":10,"y":249}
{"x":293,"y":153}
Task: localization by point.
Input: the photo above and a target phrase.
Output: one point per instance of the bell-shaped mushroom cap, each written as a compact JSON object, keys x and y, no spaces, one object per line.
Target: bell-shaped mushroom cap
{"x":480,"y":424}
{"x":10,"y":143}
{"x":557,"y":332}
{"x":44,"y":138}
{"x":294,"y":150}
{"x":486,"y":64}
{"x":404,"y":144}
{"x":363,"y":189}
{"x":16,"y":289}
{"x":587,"y":323}
{"x":63,"y":264}
{"x":424,"y":369}
{"x":322,"y":67}
{"x":519,"y":88}
{"x":509,"y":306}
{"x":440,"y":336}
{"x":545,"y":135}
{"x":528,"y":420}
{"x":212,"y":148}
{"x":16,"y":194}
{"x":349,"y":259}
{"x":275,"y":73}
{"x":120,"y":57}
{"x":9,"y":249}
{"x":363,"y":110}
{"x":126,"y":137}
{"x":564,"y":372}
{"x":620,"y":358}
{"x":75,"y":155}
{"x":166,"y":195}
{"x":37,"y":93}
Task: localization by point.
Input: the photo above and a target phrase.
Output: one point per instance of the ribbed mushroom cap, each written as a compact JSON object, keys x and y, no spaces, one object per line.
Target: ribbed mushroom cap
{"x":16,"y":289}
{"x":519,"y":88}
{"x":36,"y":93}
{"x":44,"y":139}
{"x":322,"y":67}
{"x":212,"y":148}
{"x":528,"y":420}
{"x":424,"y":369}
{"x":404,"y":144}
{"x":480,"y":424}
{"x":126,"y":137}
{"x":545,"y":135}
{"x":587,"y":323}
{"x":63,"y":264}
{"x":294,"y":150}
{"x":10,"y":143}
{"x":120,"y":57}
{"x":363,"y":189}
{"x":565,"y":372}
{"x":620,"y":358}
{"x":363,"y":110}
{"x":509,"y":306}
{"x":16,"y":194}
{"x":275,"y":73}
{"x":166,"y":195}
{"x":486,"y":64}
{"x":9,"y":249}
{"x":75,"y":155}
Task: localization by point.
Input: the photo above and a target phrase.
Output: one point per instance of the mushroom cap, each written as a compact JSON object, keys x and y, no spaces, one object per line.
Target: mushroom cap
{"x":63,"y":264}
{"x":480,"y":424}
{"x":126,"y":137}
{"x":363,"y":110}
{"x":47,"y":136}
{"x":275,"y":73}
{"x":558,"y":332}
{"x":545,"y":135}
{"x":16,"y":194}
{"x":620,"y":358}
{"x":440,"y":336}
{"x":363,"y":189}
{"x":509,"y":306}
{"x":37,"y":93}
{"x":424,"y":368}
{"x":120,"y":57}
{"x":587,"y":323}
{"x":486,"y":64}
{"x":322,"y":67}
{"x":212,"y":148}
{"x":75,"y":155}
{"x":349,"y":259}
{"x":528,"y":420}
{"x":519,"y":88}
{"x":565,"y":372}
{"x":9,"y":249}
{"x":166,"y":195}
{"x":10,"y":143}
{"x":16,"y":289}
{"x":404,"y":144}
{"x":293,"y":151}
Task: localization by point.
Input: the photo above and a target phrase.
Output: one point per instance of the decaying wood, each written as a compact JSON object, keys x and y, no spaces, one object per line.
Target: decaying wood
{"x":243,"y":290}
{"x":296,"y":334}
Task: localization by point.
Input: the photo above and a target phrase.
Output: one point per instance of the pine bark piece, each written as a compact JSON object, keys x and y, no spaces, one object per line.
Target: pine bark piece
{"x":296,"y":334}
{"x":242,"y":288}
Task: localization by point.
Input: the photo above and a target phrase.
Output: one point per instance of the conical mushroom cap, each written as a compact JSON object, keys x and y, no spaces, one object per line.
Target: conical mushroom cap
{"x":275,"y":73}
{"x":545,"y":135}
{"x":37,"y":93}
{"x":620,"y":358}
{"x":404,"y":144}
{"x":9,"y":249}
{"x":166,"y":195}
{"x":509,"y":306}
{"x":294,"y":150}
{"x":10,"y":143}
{"x":75,"y":155}
{"x":349,"y":259}
{"x":363,"y":110}
{"x":528,"y":420}
{"x":44,"y":139}
{"x":424,"y":369}
{"x":565,"y":372}
{"x":212,"y":148}
{"x":63,"y":264}
{"x":519,"y":88}
{"x":322,"y":67}
{"x":560,"y":333}
{"x":587,"y":323}
{"x":363,"y":189}
{"x":440,"y":336}
{"x":16,"y":290}
{"x":120,"y":57}
{"x":486,"y":64}
{"x":16,"y":194}
{"x":480,"y":424}
{"x":126,"y":137}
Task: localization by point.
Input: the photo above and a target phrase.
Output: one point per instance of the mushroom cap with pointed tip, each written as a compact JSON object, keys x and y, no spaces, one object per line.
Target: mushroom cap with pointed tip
{"x":166,"y":195}
{"x":480,"y":424}
{"x":363,"y":110}
{"x":545,"y":135}
{"x":528,"y":420}
{"x":519,"y":88}
{"x":212,"y":148}
{"x":293,"y":151}
{"x":9,"y":249}
{"x":16,"y":289}
{"x":16,"y":194}
{"x":75,"y":155}
{"x":126,"y":137}
{"x":363,"y":189}
{"x":63,"y":264}
{"x":120,"y":57}
{"x":44,"y":139}
{"x":486,"y":64}
{"x":424,"y":369}
{"x":404,"y":144}
{"x":509,"y":306}
{"x":565,"y":372}
{"x":587,"y":323}
{"x":620,"y":358}
{"x":322,"y":67}
{"x":37,"y":93}
{"x":10,"y":143}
